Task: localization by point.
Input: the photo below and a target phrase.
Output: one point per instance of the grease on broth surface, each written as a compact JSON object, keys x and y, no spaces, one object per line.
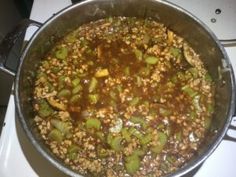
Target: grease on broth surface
{"x":123,"y":97}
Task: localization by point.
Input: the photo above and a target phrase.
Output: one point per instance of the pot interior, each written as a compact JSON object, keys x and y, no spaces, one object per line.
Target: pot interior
{"x":183,"y":24}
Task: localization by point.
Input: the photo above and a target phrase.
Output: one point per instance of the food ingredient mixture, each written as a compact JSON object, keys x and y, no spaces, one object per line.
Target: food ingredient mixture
{"x":123,"y":96}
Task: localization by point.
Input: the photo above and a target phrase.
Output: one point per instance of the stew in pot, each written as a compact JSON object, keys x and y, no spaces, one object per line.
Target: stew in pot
{"x":123,"y":96}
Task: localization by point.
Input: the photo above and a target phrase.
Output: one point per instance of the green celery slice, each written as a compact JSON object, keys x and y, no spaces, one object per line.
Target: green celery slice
{"x":93,"y":85}
{"x":162,"y":140}
{"x":132,"y":164}
{"x":64,"y":93}
{"x":93,"y":123}
{"x":93,"y":98}
{"x":62,"y":53}
{"x":44,"y":109}
{"x":151,"y":60}
{"x":138,"y":54}
{"x":116,"y":143}
{"x":55,"y":135}
{"x":75,"y":82}
{"x":63,"y":127}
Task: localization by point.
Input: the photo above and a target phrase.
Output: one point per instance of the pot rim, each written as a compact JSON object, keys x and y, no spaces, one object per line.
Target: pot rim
{"x":182,"y":171}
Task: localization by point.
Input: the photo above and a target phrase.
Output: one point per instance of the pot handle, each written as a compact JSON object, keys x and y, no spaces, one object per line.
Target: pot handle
{"x":9,"y":41}
{"x":228,"y":42}
{"x":231,"y":133}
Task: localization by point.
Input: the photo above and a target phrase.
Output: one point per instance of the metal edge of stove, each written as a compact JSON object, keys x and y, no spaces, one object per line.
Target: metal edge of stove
{"x":234,"y":120}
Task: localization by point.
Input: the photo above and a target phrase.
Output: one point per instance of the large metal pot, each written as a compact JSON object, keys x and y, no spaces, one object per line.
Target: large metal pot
{"x":177,"y":19}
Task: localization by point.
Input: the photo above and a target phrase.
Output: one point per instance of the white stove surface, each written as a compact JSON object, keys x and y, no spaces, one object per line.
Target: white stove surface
{"x":19,"y":158}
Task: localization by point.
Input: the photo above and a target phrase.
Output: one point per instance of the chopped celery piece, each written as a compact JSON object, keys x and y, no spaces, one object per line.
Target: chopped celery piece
{"x":71,"y":38}
{"x":109,"y":138}
{"x":194,"y":72}
{"x":93,"y":98}
{"x":196,"y":103}
{"x":73,"y":148}
{"x":146,"y":139}
{"x":44,"y":109}
{"x":151,"y":60}
{"x":75,"y":82}
{"x":41,"y":74}
{"x":101,"y":152}
{"x":139,"y":120}
{"x":175,"y":52}
{"x":171,"y":159}
{"x":42,"y":79}
{"x":127,"y":71}
{"x":138,"y":152}
{"x":132,"y":164}
{"x":55,"y":135}
{"x":134,"y":101}
{"x":136,"y":133}
{"x":45,"y":64}
{"x":61,"y":82}
{"x":72,"y":156}
{"x":162,"y":140}
{"x":126,"y":134}
{"x":165,"y":112}
{"x":164,"y":166}
{"x":138,"y":54}
{"x":180,"y":75}
{"x":102,"y":73}
{"x":77,"y":89}
{"x":93,"y":84}
{"x":63,"y":127}
{"x":55,"y":70}
{"x":93,"y":123}
{"x":189,"y":91}
{"x":116,"y":143}
{"x":75,"y":98}
{"x":138,"y":81}
{"x":64,"y":93}
{"x":50,"y":86}
{"x":208,"y":78}
{"x":62,"y":53}
{"x":57,"y":105}
{"x":83,"y":74}
{"x":72,"y":152}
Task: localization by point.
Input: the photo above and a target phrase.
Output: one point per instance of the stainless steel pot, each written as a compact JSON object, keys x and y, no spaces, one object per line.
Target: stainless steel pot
{"x":177,"y":19}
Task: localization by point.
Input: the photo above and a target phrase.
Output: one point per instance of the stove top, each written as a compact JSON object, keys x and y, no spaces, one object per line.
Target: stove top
{"x":20,"y":158}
